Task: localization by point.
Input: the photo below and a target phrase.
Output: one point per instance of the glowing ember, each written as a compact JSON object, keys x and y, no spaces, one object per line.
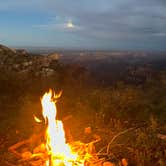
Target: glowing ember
{"x":37,"y":119}
{"x":60,"y":152}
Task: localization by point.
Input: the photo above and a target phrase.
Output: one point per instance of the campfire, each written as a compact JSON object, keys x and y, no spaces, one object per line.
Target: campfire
{"x":54,"y":150}
{"x":57,"y":148}
{"x":53,"y":147}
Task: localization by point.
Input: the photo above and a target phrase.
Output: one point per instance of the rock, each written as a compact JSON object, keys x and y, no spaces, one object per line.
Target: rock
{"x":23,"y":64}
{"x":43,"y":61}
{"x":26,"y":64}
{"x":21,"y":51}
{"x":108,"y":164}
{"x":4,"y":49}
{"x":161,"y":136}
{"x":54,"y":56}
{"x":124,"y":162}
{"x":46,"y":72}
{"x":88,"y":130}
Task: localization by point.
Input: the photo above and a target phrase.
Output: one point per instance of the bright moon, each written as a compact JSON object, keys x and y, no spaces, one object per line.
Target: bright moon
{"x":70,"y":25}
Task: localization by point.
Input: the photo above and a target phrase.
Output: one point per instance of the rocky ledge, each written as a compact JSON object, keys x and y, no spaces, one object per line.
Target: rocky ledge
{"x":23,"y":63}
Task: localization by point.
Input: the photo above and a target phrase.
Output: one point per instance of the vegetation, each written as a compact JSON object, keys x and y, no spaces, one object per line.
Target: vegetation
{"x":109,"y":110}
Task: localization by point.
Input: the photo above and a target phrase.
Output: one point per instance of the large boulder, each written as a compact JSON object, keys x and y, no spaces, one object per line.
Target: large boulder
{"x":54,"y":56}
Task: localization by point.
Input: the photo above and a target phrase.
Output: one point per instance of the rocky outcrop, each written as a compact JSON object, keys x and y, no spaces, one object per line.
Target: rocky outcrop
{"x":22,"y":52}
{"x":54,"y":56}
{"x":4,"y":49}
{"x":23,"y":63}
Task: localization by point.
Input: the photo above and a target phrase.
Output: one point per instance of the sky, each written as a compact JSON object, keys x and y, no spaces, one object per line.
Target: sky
{"x":84,"y":24}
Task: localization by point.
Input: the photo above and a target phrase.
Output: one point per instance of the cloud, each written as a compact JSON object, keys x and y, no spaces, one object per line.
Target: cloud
{"x":60,"y":24}
{"x":160,"y":34}
{"x":114,"y":22}
{"x":100,"y":18}
{"x":110,"y":24}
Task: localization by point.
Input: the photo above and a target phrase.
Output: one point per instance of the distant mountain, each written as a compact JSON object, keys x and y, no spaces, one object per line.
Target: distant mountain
{"x":109,"y":66}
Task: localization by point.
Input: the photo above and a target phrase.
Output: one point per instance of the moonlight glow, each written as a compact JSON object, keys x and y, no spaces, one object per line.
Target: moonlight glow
{"x":70,"y":24}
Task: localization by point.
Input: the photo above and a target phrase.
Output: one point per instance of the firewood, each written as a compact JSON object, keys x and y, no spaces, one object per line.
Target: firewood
{"x":37,"y":163}
{"x":40,"y":148}
{"x":26,"y":155}
{"x":9,"y":164}
{"x":124,"y":162}
{"x":16,"y":146}
{"x":108,"y":164}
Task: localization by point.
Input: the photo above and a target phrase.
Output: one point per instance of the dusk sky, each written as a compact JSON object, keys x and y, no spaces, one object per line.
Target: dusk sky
{"x":84,"y":24}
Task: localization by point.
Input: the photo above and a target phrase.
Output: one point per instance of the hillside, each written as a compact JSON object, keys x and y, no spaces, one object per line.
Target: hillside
{"x":120,"y":100}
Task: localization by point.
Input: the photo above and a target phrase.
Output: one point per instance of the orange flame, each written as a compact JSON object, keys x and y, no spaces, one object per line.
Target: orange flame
{"x":37,"y":119}
{"x":60,"y":152}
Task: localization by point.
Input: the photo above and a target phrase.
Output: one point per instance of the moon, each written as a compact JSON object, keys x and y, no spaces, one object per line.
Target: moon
{"x":70,"y":24}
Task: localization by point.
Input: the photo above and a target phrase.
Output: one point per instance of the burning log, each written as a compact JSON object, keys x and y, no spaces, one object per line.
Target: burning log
{"x":39,"y":155}
{"x":14,"y":147}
